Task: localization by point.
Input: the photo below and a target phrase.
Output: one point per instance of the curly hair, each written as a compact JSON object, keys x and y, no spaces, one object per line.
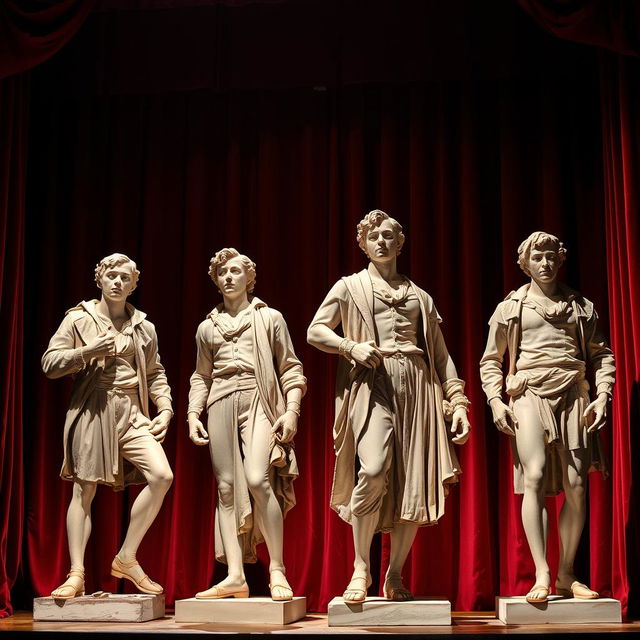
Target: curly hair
{"x":115,"y":260}
{"x":222,"y":256}
{"x":374,"y":219}
{"x":536,"y":240}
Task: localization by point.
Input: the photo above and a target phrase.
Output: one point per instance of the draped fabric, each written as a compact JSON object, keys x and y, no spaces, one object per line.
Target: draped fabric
{"x":240,"y":126}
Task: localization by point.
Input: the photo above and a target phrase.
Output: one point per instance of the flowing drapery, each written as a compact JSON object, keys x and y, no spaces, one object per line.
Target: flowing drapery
{"x":230,"y":127}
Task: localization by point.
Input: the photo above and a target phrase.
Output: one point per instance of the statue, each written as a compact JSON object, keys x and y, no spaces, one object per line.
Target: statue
{"x":251,"y":382}
{"x":111,"y":351}
{"x":551,"y":333}
{"x":396,"y":385}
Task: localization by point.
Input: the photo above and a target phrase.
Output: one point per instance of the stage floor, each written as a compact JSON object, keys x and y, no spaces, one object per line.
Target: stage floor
{"x":485,"y":625}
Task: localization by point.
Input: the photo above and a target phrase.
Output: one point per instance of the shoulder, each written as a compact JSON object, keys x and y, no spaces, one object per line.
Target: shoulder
{"x":204,"y":328}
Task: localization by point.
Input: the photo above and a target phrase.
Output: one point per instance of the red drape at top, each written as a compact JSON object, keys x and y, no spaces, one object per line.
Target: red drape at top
{"x":32,"y":31}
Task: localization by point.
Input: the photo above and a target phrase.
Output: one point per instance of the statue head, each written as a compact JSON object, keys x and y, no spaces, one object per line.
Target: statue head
{"x":232,"y":272}
{"x":541,"y":255}
{"x":116,"y":276}
{"x":380,"y":236}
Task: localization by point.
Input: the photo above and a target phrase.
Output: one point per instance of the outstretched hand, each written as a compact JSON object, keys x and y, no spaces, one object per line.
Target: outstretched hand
{"x":503,"y":417}
{"x":286,"y":426}
{"x":460,"y":426}
{"x":599,"y":408}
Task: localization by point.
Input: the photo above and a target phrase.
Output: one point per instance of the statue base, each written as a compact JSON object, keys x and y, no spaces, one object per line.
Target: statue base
{"x":379,"y":612}
{"x":239,"y":610}
{"x":559,"y":610}
{"x":112,"y":607}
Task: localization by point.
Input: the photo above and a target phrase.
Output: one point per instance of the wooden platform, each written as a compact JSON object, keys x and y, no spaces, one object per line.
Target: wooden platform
{"x":314,"y":625}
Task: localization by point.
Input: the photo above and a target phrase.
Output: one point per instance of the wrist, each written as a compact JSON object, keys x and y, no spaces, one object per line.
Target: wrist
{"x":495,"y":401}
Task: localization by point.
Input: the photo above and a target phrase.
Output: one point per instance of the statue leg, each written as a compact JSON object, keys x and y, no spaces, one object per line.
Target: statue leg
{"x":402,"y":538}
{"x":530,"y":442}
{"x":143,"y":451}
{"x":256,"y":440}
{"x":78,"y":531}
{"x":572,"y":518}
{"x":374,"y":454}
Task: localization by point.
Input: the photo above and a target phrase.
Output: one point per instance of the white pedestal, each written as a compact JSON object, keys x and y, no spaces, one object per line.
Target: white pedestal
{"x":239,"y":610}
{"x":379,"y":612}
{"x":138,"y":607}
{"x":558,"y":610}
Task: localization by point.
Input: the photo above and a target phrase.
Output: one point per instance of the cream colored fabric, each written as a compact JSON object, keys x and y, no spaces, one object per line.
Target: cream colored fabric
{"x":239,"y":432}
{"x":548,"y":347}
{"x":62,"y":357}
{"x":120,"y":370}
{"x":397,"y":320}
{"x":430,"y":463}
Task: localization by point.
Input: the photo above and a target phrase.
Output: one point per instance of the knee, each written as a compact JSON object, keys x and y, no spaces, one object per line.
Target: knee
{"x":225,"y":493}
{"x":534,"y":479}
{"x":84,"y":493}
{"x":574,"y":493}
{"x":161,"y":480}
{"x":259,"y":486}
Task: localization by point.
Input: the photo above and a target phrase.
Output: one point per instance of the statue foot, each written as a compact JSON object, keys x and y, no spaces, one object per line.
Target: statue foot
{"x":221,"y":590}
{"x":356,"y":590}
{"x":73,"y":586}
{"x":394,"y":590}
{"x":133,"y":571}
{"x":538,"y":593}
{"x":576,"y":590}
{"x":279,"y":586}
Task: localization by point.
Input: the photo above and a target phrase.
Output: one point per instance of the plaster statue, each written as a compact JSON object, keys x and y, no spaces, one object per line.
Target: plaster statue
{"x":111,"y":351}
{"x":551,"y":333}
{"x":251,"y":382}
{"x":396,"y":386}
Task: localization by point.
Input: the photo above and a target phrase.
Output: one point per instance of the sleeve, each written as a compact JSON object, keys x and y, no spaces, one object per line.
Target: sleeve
{"x":493,"y":357}
{"x":159,"y":390}
{"x":328,"y":314}
{"x":201,"y":380}
{"x":61,"y":357}
{"x":600,"y":356}
{"x":288,"y":365}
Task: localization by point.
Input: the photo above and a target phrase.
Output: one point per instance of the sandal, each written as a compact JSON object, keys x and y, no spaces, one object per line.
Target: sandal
{"x":396,"y":591}
{"x":133,"y":571}
{"x":68,"y":589}
{"x":577,"y":590}
{"x":216,"y":592}
{"x":360,"y":591}
{"x":540,"y":598}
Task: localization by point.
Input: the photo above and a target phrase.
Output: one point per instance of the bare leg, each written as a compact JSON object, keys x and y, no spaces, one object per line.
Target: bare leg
{"x":402,"y":538}
{"x":572,"y":518}
{"x":78,"y":531}
{"x":530,"y":443}
{"x":256,"y":440}
{"x":374,"y":453}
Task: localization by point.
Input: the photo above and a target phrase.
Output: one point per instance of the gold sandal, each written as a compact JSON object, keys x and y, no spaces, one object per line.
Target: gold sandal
{"x":72,"y":591}
{"x":577,"y":590}
{"x":216,"y":592}
{"x":133,"y":571}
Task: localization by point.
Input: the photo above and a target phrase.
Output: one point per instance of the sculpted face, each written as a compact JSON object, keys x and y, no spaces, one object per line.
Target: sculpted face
{"x":382,"y":242}
{"x":117,"y":282}
{"x":231,"y":278}
{"x":544,"y":263}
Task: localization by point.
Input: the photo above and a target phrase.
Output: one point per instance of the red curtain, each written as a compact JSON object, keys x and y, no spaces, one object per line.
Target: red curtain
{"x":469,"y":162}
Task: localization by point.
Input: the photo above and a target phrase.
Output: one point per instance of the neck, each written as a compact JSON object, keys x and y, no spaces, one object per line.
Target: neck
{"x":385,"y":270}
{"x":547,"y":289}
{"x":233,"y":306}
{"x":114,"y":309}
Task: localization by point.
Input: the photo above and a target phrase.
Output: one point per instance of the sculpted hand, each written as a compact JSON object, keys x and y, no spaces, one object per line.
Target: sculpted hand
{"x":286,"y":426}
{"x":460,"y":426}
{"x":502,"y":415}
{"x":367,"y":354}
{"x":599,"y":408}
{"x":102,"y":345}
{"x":160,"y":424}
{"x":197,"y":432}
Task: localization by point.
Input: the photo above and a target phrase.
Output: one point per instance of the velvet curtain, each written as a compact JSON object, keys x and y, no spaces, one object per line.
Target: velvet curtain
{"x":171,"y":148}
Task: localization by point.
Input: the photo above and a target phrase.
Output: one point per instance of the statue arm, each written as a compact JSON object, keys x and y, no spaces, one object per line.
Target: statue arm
{"x":321,"y":332}
{"x":289,"y":366}
{"x":61,"y":357}
{"x":201,"y":380}
{"x":492,"y":359}
{"x":600,"y":356}
{"x":159,"y":390}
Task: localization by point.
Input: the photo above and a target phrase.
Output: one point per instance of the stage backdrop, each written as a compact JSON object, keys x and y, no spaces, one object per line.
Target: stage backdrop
{"x":171,"y":133}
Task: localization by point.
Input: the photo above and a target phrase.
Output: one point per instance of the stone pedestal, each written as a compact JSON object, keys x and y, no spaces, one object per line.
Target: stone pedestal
{"x":379,"y":612}
{"x":113,"y":607}
{"x":558,"y":610}
{"x":239,"y":610}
